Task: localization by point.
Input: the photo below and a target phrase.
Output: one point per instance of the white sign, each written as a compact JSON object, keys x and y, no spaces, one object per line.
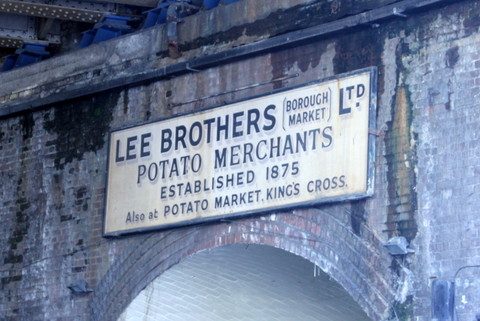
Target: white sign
{"x":295,"y":147}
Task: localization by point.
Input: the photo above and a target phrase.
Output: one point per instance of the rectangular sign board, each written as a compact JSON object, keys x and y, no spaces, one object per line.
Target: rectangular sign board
{"x":294,"y":147}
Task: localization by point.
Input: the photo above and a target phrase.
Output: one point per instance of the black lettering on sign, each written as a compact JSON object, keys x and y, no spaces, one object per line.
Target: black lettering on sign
{"x":134,"y":217}
{"x":222,"y":127}
{"x":237,"y":199}
{"x":169,"y":167}
{"x":118,"y":157}
{"x":349,"y":90}
{"x":325,"y":184}
{"x":131,"y":147}
{"x":130,"y":150}
{"x":166,"y":140}
{"x":189,"y":207}
{"x":360,"y":90}
{"x":195,"y":141}
{"x":180,"y":133}
{"x":267,"y":114}
{"x":327,"y":134}
{"x":153,"y":215}
{"x":283,"y":191}
{"x":142,"y":169}
{"x":342,"y":109}
{"x":209,"y":123}
{"x":144,"y":144}
{"x":252,"y":121}
{"x":350,"y":96}
{"x":237,"y":123}
{"x":220,"y":158}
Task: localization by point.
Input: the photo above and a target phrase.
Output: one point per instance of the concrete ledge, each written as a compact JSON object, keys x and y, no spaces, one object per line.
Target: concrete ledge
{"x":125,"y":60}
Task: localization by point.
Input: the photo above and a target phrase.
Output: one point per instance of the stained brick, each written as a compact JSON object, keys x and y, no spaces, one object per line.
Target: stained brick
{"x":52,"y":187}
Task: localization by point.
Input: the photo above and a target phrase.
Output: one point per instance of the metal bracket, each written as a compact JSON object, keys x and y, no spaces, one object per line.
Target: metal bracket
{"x":399,"y":13}
{"x":443,"y":300}
{"x":191,"y":69}
{"x":377,"y":133}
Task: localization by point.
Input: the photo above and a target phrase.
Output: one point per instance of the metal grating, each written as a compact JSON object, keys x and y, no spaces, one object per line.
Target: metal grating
{"x":10,"y":42}
{"x":50,"y":11}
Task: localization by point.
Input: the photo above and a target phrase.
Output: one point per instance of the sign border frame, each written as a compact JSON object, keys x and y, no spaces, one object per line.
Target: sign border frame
{"x":373,"y":71}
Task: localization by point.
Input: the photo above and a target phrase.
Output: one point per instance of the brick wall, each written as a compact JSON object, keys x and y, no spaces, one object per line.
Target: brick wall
{"x":443,"y":80}
{"x":53,"y":166}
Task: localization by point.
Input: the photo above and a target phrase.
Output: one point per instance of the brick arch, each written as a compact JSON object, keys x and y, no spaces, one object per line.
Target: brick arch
{"x":359,"y":264}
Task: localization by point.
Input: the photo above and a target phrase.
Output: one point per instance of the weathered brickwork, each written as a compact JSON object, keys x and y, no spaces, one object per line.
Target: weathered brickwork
{"x":427,"y":166}
{"x":443,"y":78}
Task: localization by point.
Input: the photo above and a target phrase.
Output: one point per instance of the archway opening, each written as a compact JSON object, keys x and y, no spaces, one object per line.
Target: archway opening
{"x":243,"y":282}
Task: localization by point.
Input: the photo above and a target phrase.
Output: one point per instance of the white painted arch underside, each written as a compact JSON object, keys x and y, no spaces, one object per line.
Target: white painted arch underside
{"x":240,"y":282}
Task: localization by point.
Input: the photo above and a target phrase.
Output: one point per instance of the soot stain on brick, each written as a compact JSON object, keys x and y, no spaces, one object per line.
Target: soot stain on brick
{"x":305,"y":56}
{"x":282,"y":21}
{"x":22,"y":220}
{"x":451,"y":57}
{"x":27,"y":123}
{"x":78,"y":269}
{"x":148,"y":102}
{"x":2,"y":135}
{"x":352,"y":52}
{"x":448,"y":104}
{"x":20,"y":229}
{"x":81,"y":198}
{"x":357,"y":216}
{"x":471,"y":23}
{"x":278,"y":22}
{"x":9,"y":279}
{"x":65,"y":218}
{"x":125,"y":101}
{"x":81,"y":192}
{"x":80,"y":125}
{"x":362,"y":50}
